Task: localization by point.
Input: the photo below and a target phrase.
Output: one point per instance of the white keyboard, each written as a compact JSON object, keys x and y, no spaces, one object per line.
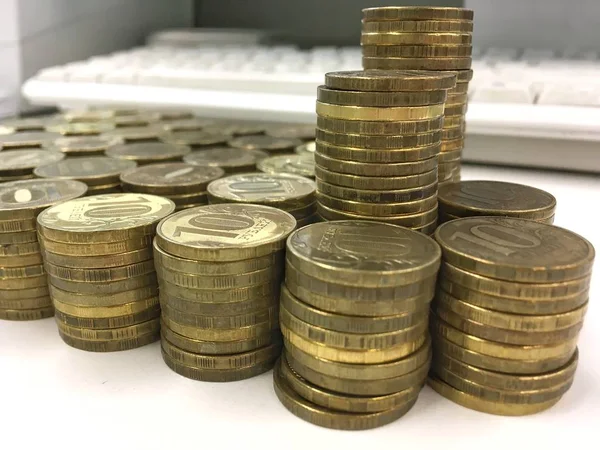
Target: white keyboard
{"x":527,"y":107}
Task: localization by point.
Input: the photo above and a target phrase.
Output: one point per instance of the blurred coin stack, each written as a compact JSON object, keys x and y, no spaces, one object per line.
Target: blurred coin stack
{"x":99,"y":173}
{"x":291,"y":193}
{"x":303,"y":165}
{"x":378,"y":137}
{"x":231,"y":160}
{"x":354,"y":316}
{"x":182,"y":183}
{"x":494,"y":198}
{"x":23,"y":286}
{"x":98,"y":255}
{"x":220,"y":268}
{"x":20,"y":164}
{"x":511,"y":300}
{"x":426,"y":38}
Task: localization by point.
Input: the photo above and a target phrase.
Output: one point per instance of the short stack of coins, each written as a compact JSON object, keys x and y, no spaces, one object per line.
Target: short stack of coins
{"x":99,"y":173}
{"x":378,"y":139}
{"x":494,"y":198}
{"x":23,"y":286}
{"x":20,"y":164}
{"x":512,"y":296}
{"x":303,"y":165}
{"x":182,"y":183}
{"x":426,"y":38}
{"x":98,"y":255}
{"x":220,"y":269}
{"x":354,"y":317}
{"x":231,"y":160}
{"x":291,"y":193}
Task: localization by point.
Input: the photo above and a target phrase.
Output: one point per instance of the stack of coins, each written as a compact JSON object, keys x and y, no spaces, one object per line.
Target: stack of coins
{"x":291,"y":131}
{"x":269,"y":144}
{"x":378,"y":137}
{"x":354,"y":317}
{"x":149,"y":152}
{"x":99,"y":173}
{"x":220,"y":269}
{"x":231,"y":160}
{"x":23,"y":287}
{"x":291,"y":193}
{"x":182,"y":183}
{"x":511,"y":301}
{"x":20,"y":164}
{"x":83,"y":146}
{"x":98,"y":255}
{"x":426,"y":38}
{"x":303,"y":165}
{"x":495,"y":198}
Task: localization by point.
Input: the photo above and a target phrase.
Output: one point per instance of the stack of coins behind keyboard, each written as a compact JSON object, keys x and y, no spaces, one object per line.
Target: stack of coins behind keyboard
{"x":511,"y":301}
{"x":494,"y":198}
{"x":378,"y":137}
{"x":99,"y":173}
{"x":23,"y":286}
{"x":220,"y":268}
{"x":426,"y":38}
{"x":354,"y":316}
{"x":291,"y":193}
{"x":98,"y":255}
{"x":182,"y":183}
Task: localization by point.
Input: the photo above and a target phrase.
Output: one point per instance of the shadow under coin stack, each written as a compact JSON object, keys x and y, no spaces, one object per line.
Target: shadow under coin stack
{"x":494,"y":198}
{"x":303,"y":165}
{"x":291,"y":193}
{"x":23,"y":286}
{"x":378,"y":137}
{"x":511,"y":301}
{"x":148,"y":152}
{"x":99,"y":173}
{"x":426,"y":38}
{"x":98,"y":255}
{"x":220,"y":268}
{"x":354,"y":316}
{"x":182,"y":183}
{"x":231,"y":160}
{"x":20,"y":164}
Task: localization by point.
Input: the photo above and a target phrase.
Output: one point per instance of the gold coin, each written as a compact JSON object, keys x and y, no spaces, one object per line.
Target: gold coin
{"x":379,"y":99}
{"x":457,"y":99}
{"x":304,"y":212}
{"x":133,"y":331}
{"x":221,"y":296}
{"x":93,"y":170}
{"x":91,"y":262}
{"x":461,"y":87}
{"x":416,"y":13}
{"x":457,"y":121}
{"x":455,"y":110}
{"x":450,"y":134}
{"x":195,"y":139}
{"x":375,"y":169}
{"x":20,"y":237}
{"x":7,"y":273}
{"x":105,"y":312}
{"x":87,"y":116}
{"x":314,"y":218}
{"x":292,"y":131}
{"x":490,"y":407}
{"x":383,"y":386}
{"x":105,"y":189}
{"x":109,"y":345}
{"x":265,"y":143}
{"x":406,"y":220}
{"x":22,"y":124}
{"x":401,"y":38}
{"x":390,"y":114}
{"x":221,"y":334}
{"x":102,"y":249}
{"x":104,"y":218}
{"x":25,"y":140}
{"x":220,"y":282}
{"x":379,"y":142}
{"x":223,"y":347}
{"x":339,"y":402}
{"x":148,"y":152}
{"x":416,"y":51}
{"x":490,"y":198}
{"x":192,"y":199}
{"x":134,"y":134}
{"x":378,"y":196}
{"x":515,"y":249}
{"x":303,"y":165}
{"x":379,"y":128}
{"x":119,"y":299}
{"x":11,"y":295}
{"x":220,"y":322}
{"x":80,"y":129}
{"x":227,"y":232}
{"x":430,"y":63}
{"x":102,"y":288}
{"x":43,"y":301}
{"x":171,"y":114}
{"x":378,"y":209}
{"x":186,"y":124}
{"x":238,"y":128}
{"x":389,"y":81}
{"x":184,"y":306}
{"x":365,"y":155}
{"x":27,"y":314}
{"x":379,"y":183}
{"x":230,"y":160}
{"x":418,"y":26}
{"x":103,"y":323}
{"x":15,"y":226}
{"x":362,"y":372}
{"x":101,"y":275}
{"x":11,"y":284}
{"x":308,"y":148}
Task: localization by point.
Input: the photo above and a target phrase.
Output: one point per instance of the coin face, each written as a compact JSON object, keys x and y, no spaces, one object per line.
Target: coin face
{"x":225,"y":232}
{"x":303,"y":132}
{"x":81,"y":145}
{"x":296,"y":164}
{"x":171,"y":177}
{"x":33,"y":195}
{"x":144,"y":152}
{"x":27,"y":139}
{"x":196,"y":138}
{"x":96,"y":168}
{"x":267,"y":143}
{"x":17,"y":160}
{"x":515,"y":249}
{"x":389,"y":80}
{"x":227,"y":158}
{"x":307,"y":148}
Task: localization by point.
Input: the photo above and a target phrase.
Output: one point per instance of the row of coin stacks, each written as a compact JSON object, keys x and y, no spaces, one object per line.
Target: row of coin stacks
{"x":378,"y":139}
{"x":220,"y":269}
{"x":98,"y":254}
{"x":511,"y":301}
{"x":354,"y":316}
{"x":24,"y":291}
{"x":426,"y":38}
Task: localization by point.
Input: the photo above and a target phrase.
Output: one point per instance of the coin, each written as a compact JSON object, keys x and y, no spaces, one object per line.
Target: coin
{"x":118,"y":299}
{"x":103,"y":274}
{"x":135,"y":134}
{"x":97,"y":249}
{"x":104,"y":218}
{"x":105,"y":189}
{"x":15,"y":226}
{"x":17,"y":250}
{"x":379,"y":99}
{"x":341,"y":126}
{"x":218,"y":282}
{"x":226,"y":232}
{"x":450,"y":134}
{"x":109,"y":345}
{"x":377,"y":156}
{"x":183,"y":306}
{"x":377,"y":209}
{"x":416,"y":51}
{"x":23,"y":124}
{"x":27,"y":314}
{"x":241,"y":128}
{"x":268,"y":144}
{"x":186,"y":124}
{"x":101,"y":312}
{"x":303,"y":165}
{"x":416,"y":13}
{"x":132,"y":331}
{"x":390,"y":114}
{"x":25,"y":303}
{"x":26,"y":140}
{"x":21,"y":237}
{"x":384,"y":81}
{"x":515,"y":249}
{"x":103,"y":288}
{"x":20,"y":261}
{"x":416,"y":220}
{"x":7,"y":273}
{"x":231,"y":160}
{"x":148,"y":152}
{"x":171,"y":114}
{"x":379,"y":142}
{"x":222,"y":296}
{"x":196,"y":139}
{"x":83,"y":146}
{"x":105,"y":323}
{"x":80,"y":128}
{"x":96,"y":170}
{"x":372,"y":183}
{"x":291,"y":131}
{"x":17,"y":162}
{"x":430,"y":63}
{"x":221,"y":334}
{"x":457,"y":121}
{"x":401,"y":38}
{"x":418,"y":26}
{"x":307,"y":148}
{"x":375,"y":169}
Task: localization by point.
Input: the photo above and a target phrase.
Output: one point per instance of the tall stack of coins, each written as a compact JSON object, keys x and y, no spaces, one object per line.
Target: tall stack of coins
{"x":149,"y":152}
{"x":291,"y":193}
{"x":354,"y":316}
{"x":220,"y":268}
{"x":426,"y":38}
{"x":269,"y":144}
{"x":98,"y":255}
{"x":303,"y":165}
{"x":231,"y":160}
{"x":494,"y":198}
{"x":378,"y":137}
{"x":511,"y":301}
{"x":99,"y":173}
{"x":182,"y":183}
{"x":23,"y":287}
{"x":20,"y":164}
{"x":83,"y":146}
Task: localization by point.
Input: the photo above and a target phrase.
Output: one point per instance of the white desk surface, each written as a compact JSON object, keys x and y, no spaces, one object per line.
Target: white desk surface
{"x":54,"y":396}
